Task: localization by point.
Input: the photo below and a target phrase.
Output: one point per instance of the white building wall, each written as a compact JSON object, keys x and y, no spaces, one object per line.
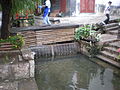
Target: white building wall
{"x":99,"y":7}
{"x":104,"y":2}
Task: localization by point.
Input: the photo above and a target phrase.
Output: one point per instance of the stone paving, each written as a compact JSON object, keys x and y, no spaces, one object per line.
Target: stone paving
{"x":81,"y":19}
{"x":24,"y":84}
{"x":85,"y":18}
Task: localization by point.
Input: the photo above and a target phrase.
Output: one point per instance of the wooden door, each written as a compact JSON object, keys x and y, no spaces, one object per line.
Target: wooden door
{"x":63,"y":5}
{"x":87,"y":6}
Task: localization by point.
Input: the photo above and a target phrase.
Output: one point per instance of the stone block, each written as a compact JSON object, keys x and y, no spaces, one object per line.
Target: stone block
{"x":4,"y":72}
{"x":28,"y":84}
{"x":9,"y":85}
{"x":21,"y":70}
{"x":32,"y":68}
{"x":23,"y":84}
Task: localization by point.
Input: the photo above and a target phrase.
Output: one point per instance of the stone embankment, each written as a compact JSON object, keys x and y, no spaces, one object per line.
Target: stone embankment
{"x":17,"y":70}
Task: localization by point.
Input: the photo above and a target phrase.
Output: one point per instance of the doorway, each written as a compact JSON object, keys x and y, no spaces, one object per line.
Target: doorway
{"x":87,"y":6}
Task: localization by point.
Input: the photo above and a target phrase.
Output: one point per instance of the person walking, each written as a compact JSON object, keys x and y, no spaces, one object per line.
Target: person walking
{"x":46,"y":12}
{"x":107,"y":13}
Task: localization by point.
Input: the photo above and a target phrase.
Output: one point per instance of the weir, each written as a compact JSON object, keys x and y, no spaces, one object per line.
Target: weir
{"x":54,"y":40}
{"x":56,"y":50}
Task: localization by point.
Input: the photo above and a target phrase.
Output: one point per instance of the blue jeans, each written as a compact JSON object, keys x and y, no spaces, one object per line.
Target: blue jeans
{"x":46,"y":20}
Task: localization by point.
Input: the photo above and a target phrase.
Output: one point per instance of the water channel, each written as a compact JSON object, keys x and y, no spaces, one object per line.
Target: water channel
{"x":76,"y":72}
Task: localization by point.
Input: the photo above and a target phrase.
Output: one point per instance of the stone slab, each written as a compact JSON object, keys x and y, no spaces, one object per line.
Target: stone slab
{"x":23,"y":84}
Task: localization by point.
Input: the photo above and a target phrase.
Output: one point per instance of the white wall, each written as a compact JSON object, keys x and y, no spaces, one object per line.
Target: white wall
{"x":114,"y":2}
{"x":77,"y":7}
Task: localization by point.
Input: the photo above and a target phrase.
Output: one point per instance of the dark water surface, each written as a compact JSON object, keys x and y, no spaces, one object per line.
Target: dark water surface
{"x":75,"y":73}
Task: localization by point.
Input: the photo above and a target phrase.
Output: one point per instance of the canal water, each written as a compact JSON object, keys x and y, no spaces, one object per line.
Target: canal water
{"x":76,"y":73}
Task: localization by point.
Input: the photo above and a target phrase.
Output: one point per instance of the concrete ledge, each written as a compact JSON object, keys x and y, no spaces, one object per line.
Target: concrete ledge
{"x":45,"y":27}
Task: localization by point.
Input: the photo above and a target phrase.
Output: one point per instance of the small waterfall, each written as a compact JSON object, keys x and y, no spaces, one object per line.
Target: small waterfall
{"x":55,"y":50}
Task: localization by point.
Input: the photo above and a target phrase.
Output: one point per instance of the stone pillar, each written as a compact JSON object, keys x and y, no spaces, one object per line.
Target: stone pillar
{"x":32,"y":68}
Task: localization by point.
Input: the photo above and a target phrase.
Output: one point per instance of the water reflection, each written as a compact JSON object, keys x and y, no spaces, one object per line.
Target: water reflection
{"x":74,"y":73}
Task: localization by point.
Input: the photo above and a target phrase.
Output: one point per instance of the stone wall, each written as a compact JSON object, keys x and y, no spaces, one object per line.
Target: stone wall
{"x":115,"y":11}
{"x":44,"y":35}
{"x":15,"y":67}
{"x":23,"y":84}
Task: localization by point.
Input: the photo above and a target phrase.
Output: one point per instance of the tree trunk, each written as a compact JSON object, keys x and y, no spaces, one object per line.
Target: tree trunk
{"x":6,"y":13}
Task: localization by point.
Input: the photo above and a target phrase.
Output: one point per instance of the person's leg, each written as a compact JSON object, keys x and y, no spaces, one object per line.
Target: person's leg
{"x":47,"y":19}
{"x":107,"y":20}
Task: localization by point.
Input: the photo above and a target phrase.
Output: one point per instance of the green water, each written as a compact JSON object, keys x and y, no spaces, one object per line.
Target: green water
{"x":75,"y":73}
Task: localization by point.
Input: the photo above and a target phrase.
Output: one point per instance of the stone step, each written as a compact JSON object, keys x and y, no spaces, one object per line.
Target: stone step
{"x":107,"y":38}
{"x":112,"y":41}
{"x":111,"y":25}
{"x":112,"y":28}
{"x":115,"y":44}
{"x":111,"y":50}
{"x":113,"y":32}
{"x":109,"y":55}
{"x":110,"y":61}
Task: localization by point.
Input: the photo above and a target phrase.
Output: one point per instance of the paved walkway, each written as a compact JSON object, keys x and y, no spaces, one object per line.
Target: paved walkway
{"x":86,"y":18}
{"x":80,"y":19}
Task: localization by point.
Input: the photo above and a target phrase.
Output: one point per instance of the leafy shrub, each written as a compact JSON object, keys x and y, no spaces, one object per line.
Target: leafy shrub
{"x":86,"y":32}
{"x":93,"y":49}
{"x":17,"y":41}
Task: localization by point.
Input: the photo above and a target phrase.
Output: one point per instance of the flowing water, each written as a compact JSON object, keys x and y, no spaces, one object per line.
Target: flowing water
{"x":75,"y":73}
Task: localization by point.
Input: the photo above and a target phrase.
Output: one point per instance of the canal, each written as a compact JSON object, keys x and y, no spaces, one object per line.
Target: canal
{"x":76,"y":72}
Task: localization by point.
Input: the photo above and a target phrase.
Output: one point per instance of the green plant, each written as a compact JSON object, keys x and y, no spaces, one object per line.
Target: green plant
{"x":118,"y":20}
{"x":82,"y":32}
{"x":93,"y":49}
{"x":118,"y":57}
{"x":17,"y":41}
{"x":87,"y":32}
